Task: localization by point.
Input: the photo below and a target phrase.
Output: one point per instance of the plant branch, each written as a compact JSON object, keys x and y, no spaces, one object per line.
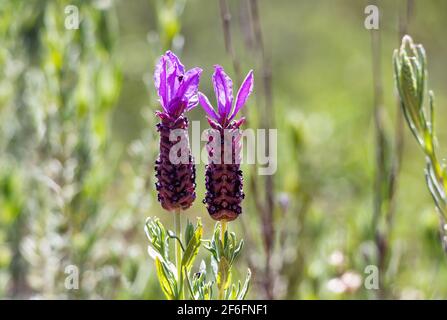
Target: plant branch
{"x":178,"y":252}
{"x":225,"y":16}
{"x":267,"y":122}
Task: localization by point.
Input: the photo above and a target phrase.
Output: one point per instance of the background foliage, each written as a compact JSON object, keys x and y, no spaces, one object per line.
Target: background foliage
{"x":78,"y":143}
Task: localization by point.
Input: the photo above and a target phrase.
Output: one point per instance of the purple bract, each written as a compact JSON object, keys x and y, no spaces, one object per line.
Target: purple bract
{"x":223,"y":87}
{"x":176,"y":88}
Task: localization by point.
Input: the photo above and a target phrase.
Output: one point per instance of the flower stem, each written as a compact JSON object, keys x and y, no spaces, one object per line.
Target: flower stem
{"x":178,"y":252}
{"x":223,"y":229}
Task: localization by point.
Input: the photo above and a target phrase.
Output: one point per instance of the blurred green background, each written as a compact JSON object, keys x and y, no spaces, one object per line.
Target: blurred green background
{"x":78,"y":143}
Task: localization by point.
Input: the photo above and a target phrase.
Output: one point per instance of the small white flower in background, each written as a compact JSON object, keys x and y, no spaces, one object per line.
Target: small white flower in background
{"x":284,"y":201}
{"x":336,"y":258}
{"x":336,"y":285}
{"x":352,"y":280}
{"x":348,"y":282}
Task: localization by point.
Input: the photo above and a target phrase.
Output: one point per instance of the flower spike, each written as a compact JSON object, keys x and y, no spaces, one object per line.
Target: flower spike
{"x":177,"y":90}
{"x":224,"y":181}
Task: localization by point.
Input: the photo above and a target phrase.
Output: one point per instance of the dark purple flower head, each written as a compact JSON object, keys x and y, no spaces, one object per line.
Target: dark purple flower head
{"x":224,"y":180}
{"x":177,"y":88}
{"x":223,"y":87}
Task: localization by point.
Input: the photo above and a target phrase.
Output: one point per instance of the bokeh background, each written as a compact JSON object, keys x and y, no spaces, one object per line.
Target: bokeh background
{"x":78,"y":143}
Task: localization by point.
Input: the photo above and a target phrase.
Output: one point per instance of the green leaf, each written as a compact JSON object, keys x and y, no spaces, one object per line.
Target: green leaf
{"x":208,"y":291}
{"x":164,"y":276}
{"x":202,"y":268}
{"x":214,"y":266}
{"x":192,"y":249}
{"x":172,"y":235}
{"x":157,"y":236}
{"x":153,"y":253}
{"x":423,"y":75}
{"x":233,"y":292}
{"x":217,"y":244}
{"x":431,"y":98}
{"x":189,"y":232}
{"x":237,"y":251}
{"x":243,"y":293}
{"x":223,"y":274}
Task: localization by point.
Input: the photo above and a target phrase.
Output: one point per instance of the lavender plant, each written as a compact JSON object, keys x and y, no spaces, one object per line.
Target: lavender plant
{"x":224,"y":180}
{"x":410,"y":73}
{"x":225,"y":248}
{"x":172,"y":276}
{"x":139,"y":179}
{"x":177,"y":91}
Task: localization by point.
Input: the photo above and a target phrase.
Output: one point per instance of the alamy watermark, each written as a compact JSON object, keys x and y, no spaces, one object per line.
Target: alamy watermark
{"x":72,"y":278}
{"x":372,"y":18}
{"x":71,"y":17}
{"x":229,"y":146}
{"x":371,"y":281}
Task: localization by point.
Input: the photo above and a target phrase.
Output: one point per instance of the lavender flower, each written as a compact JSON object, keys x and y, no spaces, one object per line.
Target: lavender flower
{"x":224,"y":180}
{"x":177,"y":91}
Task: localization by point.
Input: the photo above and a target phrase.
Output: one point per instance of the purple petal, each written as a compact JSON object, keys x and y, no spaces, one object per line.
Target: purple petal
{"x":192,"y":103}
{"x":175,"y":61}
{"x":214,"y":124}
{"x":176,"y":71}
{"x":239,"y":122}
{"x":173,"y":82}
{"x":176,"y":107}
{"x":160,"y":81}
{"x":206,"y":105}
{"x":243,"y":94}
{"x":177,"y":90}
{"x":223,"y":87}
{"x":189,"y":85}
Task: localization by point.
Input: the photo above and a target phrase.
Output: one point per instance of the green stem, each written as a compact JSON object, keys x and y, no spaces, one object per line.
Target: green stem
{"x":429,"y":149}
{"x":437,"y":169}
{"x":178,"y":253}
{"x":439,"y":175}
{"x":191,"y":291}
{"x":223,"y":229}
